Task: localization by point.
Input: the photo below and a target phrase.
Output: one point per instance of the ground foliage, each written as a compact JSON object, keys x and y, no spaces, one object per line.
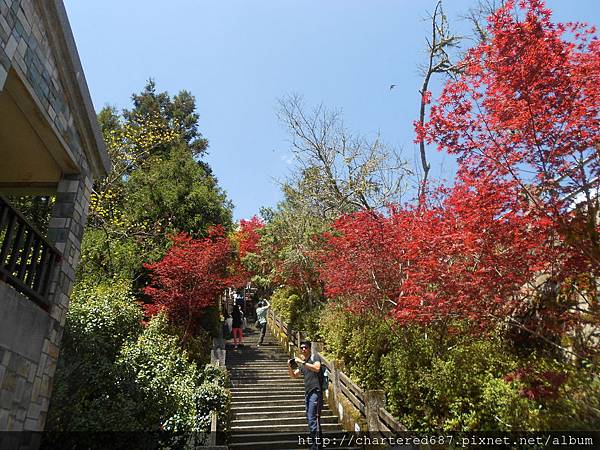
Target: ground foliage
{"x":137,"y":378}
{"x":437,"y":379}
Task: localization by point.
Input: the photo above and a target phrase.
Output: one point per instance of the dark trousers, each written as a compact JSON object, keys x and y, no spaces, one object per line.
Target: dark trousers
{"x":314,"y":404}
{"x":263,"y":330}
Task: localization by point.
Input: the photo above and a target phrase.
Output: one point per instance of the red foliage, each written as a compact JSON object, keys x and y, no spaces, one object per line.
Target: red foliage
{"x":538,"y":386}
{"x":361,"y":260}
{"x":190,"y":277}
{"x":248,"y":235}
{"x":527,"y":110}
{"x":523,"y":115}
{"x":467,"y":257}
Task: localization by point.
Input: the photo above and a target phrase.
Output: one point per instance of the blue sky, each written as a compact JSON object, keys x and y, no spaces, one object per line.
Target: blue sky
{"x":238,"y":57}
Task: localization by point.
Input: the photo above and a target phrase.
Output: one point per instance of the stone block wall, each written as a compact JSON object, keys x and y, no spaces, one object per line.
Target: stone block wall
{"x":24,"y":45}
{"x":30,"y":336}
{"x":25,"y":368}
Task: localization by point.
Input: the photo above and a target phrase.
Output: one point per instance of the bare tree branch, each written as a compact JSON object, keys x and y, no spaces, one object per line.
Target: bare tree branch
{"x":337,"y":172}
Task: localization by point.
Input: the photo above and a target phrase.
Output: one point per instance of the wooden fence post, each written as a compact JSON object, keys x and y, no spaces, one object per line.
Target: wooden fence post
{"x":373,"y":401}
{"x":336,"y":367}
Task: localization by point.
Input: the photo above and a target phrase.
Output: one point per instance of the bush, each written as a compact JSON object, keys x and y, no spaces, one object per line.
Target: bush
{"x":359,"y":340}
{"x":90,"y":392}
{"x":213,"y":396}
{"x":164,"y":374}
{"x":116,"y":375}
{"x":296,"y":311}
{"x":444,"y":379}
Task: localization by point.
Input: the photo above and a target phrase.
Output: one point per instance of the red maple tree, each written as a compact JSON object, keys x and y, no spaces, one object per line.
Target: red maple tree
{"x":248,"y":235}
{"x":523,"y":120}
{"x":526,"y":111}
{"x":190,"y":277}
{"x":246,"y":238}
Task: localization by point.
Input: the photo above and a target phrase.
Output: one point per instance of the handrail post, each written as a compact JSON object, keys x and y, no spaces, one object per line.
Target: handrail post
{"x":373,"y":401}
{"x":212,"y":440}
{"x":218,"y":354}
{"x":336,"y":368}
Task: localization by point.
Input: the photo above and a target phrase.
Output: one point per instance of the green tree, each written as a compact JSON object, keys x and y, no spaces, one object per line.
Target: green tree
{"x":177,"y":113}
{"x":157,"y":185}
{"x":175,"y":193}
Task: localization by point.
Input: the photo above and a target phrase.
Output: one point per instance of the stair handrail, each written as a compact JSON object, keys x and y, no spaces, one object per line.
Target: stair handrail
{"x":369,"y":404}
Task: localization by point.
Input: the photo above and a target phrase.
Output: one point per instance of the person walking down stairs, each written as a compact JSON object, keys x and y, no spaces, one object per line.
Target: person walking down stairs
{"x":261,"y":319}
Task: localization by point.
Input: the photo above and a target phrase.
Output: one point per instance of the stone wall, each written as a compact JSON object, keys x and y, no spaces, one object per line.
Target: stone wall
{"x":23,"y":369}
{"x":24,"y":45}
{"x":29,"y":336}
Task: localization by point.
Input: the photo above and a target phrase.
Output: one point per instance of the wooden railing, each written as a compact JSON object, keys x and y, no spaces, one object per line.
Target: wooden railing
{"x":352,"y":392}
{"x":359,"y":410}
{"x":27,"y":260}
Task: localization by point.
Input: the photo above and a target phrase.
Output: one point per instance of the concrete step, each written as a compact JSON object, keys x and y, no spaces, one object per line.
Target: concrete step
{"x":259,"y":381}
{"x":252,"y":346}
{"x":267,"y":437}
{"x":282,"y":428}
{"x":258,"y":389}
{"x":277,"y":376}
{"x":270,"y":395}
{"x":291,"y":444}
{"x":253,"y":365}
{"x":291,"y":404}
{"x":263,"y":359}
{"x":268,"y":368}
{"x":275,"y":409}
{"x":266,"y":382}
{"x":283,"y":379}
{"x":257,"y":374}
{"x":283,"y":414}
{"x":278,"y":421}
{"x":281,"y":400}
{"x":249,"y":397}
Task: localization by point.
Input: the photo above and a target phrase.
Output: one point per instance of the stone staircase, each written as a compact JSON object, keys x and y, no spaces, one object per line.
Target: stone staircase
{"x":267,"y":404}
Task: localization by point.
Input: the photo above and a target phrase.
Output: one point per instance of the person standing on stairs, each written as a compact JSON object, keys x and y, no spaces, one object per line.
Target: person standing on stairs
{"x":261,"y":318}
{"x":238,"y":320}
{"x":310,"y":367}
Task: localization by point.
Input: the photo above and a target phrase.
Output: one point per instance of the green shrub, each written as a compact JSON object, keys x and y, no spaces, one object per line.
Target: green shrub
{"x":164,"y":374}
{"x":90,"y":392}
{"x":297,"y":311}
{"x":116,"y":375}
{"x":286,"y":302}
{"x":443,"y":379}
{"x":211,"y":396}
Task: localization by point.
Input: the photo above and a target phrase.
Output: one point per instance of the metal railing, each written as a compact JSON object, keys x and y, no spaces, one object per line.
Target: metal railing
{"x":27,"y":260}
